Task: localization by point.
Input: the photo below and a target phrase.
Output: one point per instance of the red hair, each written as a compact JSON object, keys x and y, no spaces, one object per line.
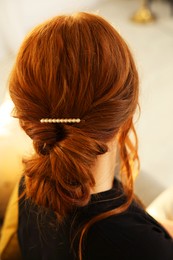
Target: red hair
{"x":74,"y":66}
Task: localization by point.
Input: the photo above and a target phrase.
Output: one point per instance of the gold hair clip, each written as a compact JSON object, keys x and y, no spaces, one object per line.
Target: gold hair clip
{"x":60,"y":120}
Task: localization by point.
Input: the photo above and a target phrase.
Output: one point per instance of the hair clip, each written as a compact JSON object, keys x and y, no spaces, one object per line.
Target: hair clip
{"x":60,"y":120}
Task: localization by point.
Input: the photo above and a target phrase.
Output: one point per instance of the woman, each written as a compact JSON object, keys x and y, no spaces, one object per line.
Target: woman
{"x":75,"y":90}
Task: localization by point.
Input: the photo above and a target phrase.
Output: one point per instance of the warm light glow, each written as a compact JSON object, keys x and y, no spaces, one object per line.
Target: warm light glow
{"x":5,"y":116}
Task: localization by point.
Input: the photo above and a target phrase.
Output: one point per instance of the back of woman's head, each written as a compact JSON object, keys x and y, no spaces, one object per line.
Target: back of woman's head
{"x":74,"y":66}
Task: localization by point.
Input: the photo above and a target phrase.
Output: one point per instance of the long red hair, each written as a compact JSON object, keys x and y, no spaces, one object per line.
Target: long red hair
{"x":74,"y":66}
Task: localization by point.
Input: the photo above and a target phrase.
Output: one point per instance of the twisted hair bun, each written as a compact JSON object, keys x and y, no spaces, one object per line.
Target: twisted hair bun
{"x":44,"y":136}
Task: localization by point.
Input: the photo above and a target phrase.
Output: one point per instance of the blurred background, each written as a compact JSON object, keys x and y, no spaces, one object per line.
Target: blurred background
{"x":151,"y":43}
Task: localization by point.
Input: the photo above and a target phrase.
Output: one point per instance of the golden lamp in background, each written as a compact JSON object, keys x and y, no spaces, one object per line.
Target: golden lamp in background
{"x":144,"y":14}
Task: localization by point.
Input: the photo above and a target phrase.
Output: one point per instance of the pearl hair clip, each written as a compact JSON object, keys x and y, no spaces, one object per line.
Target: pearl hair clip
{"x":60,"y":120}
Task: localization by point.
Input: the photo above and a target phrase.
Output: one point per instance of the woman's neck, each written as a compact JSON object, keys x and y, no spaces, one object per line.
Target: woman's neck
{"x":104,"y":170}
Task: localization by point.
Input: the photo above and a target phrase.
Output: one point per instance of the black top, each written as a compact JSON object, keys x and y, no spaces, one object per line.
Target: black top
{"x":131,"y":235}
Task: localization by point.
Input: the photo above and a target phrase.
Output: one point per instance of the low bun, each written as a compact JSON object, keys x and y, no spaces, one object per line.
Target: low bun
{"x":67,"y":177}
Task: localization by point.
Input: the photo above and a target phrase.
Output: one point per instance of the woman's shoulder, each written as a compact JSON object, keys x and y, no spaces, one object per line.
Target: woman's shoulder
{"x":133,"y":234}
